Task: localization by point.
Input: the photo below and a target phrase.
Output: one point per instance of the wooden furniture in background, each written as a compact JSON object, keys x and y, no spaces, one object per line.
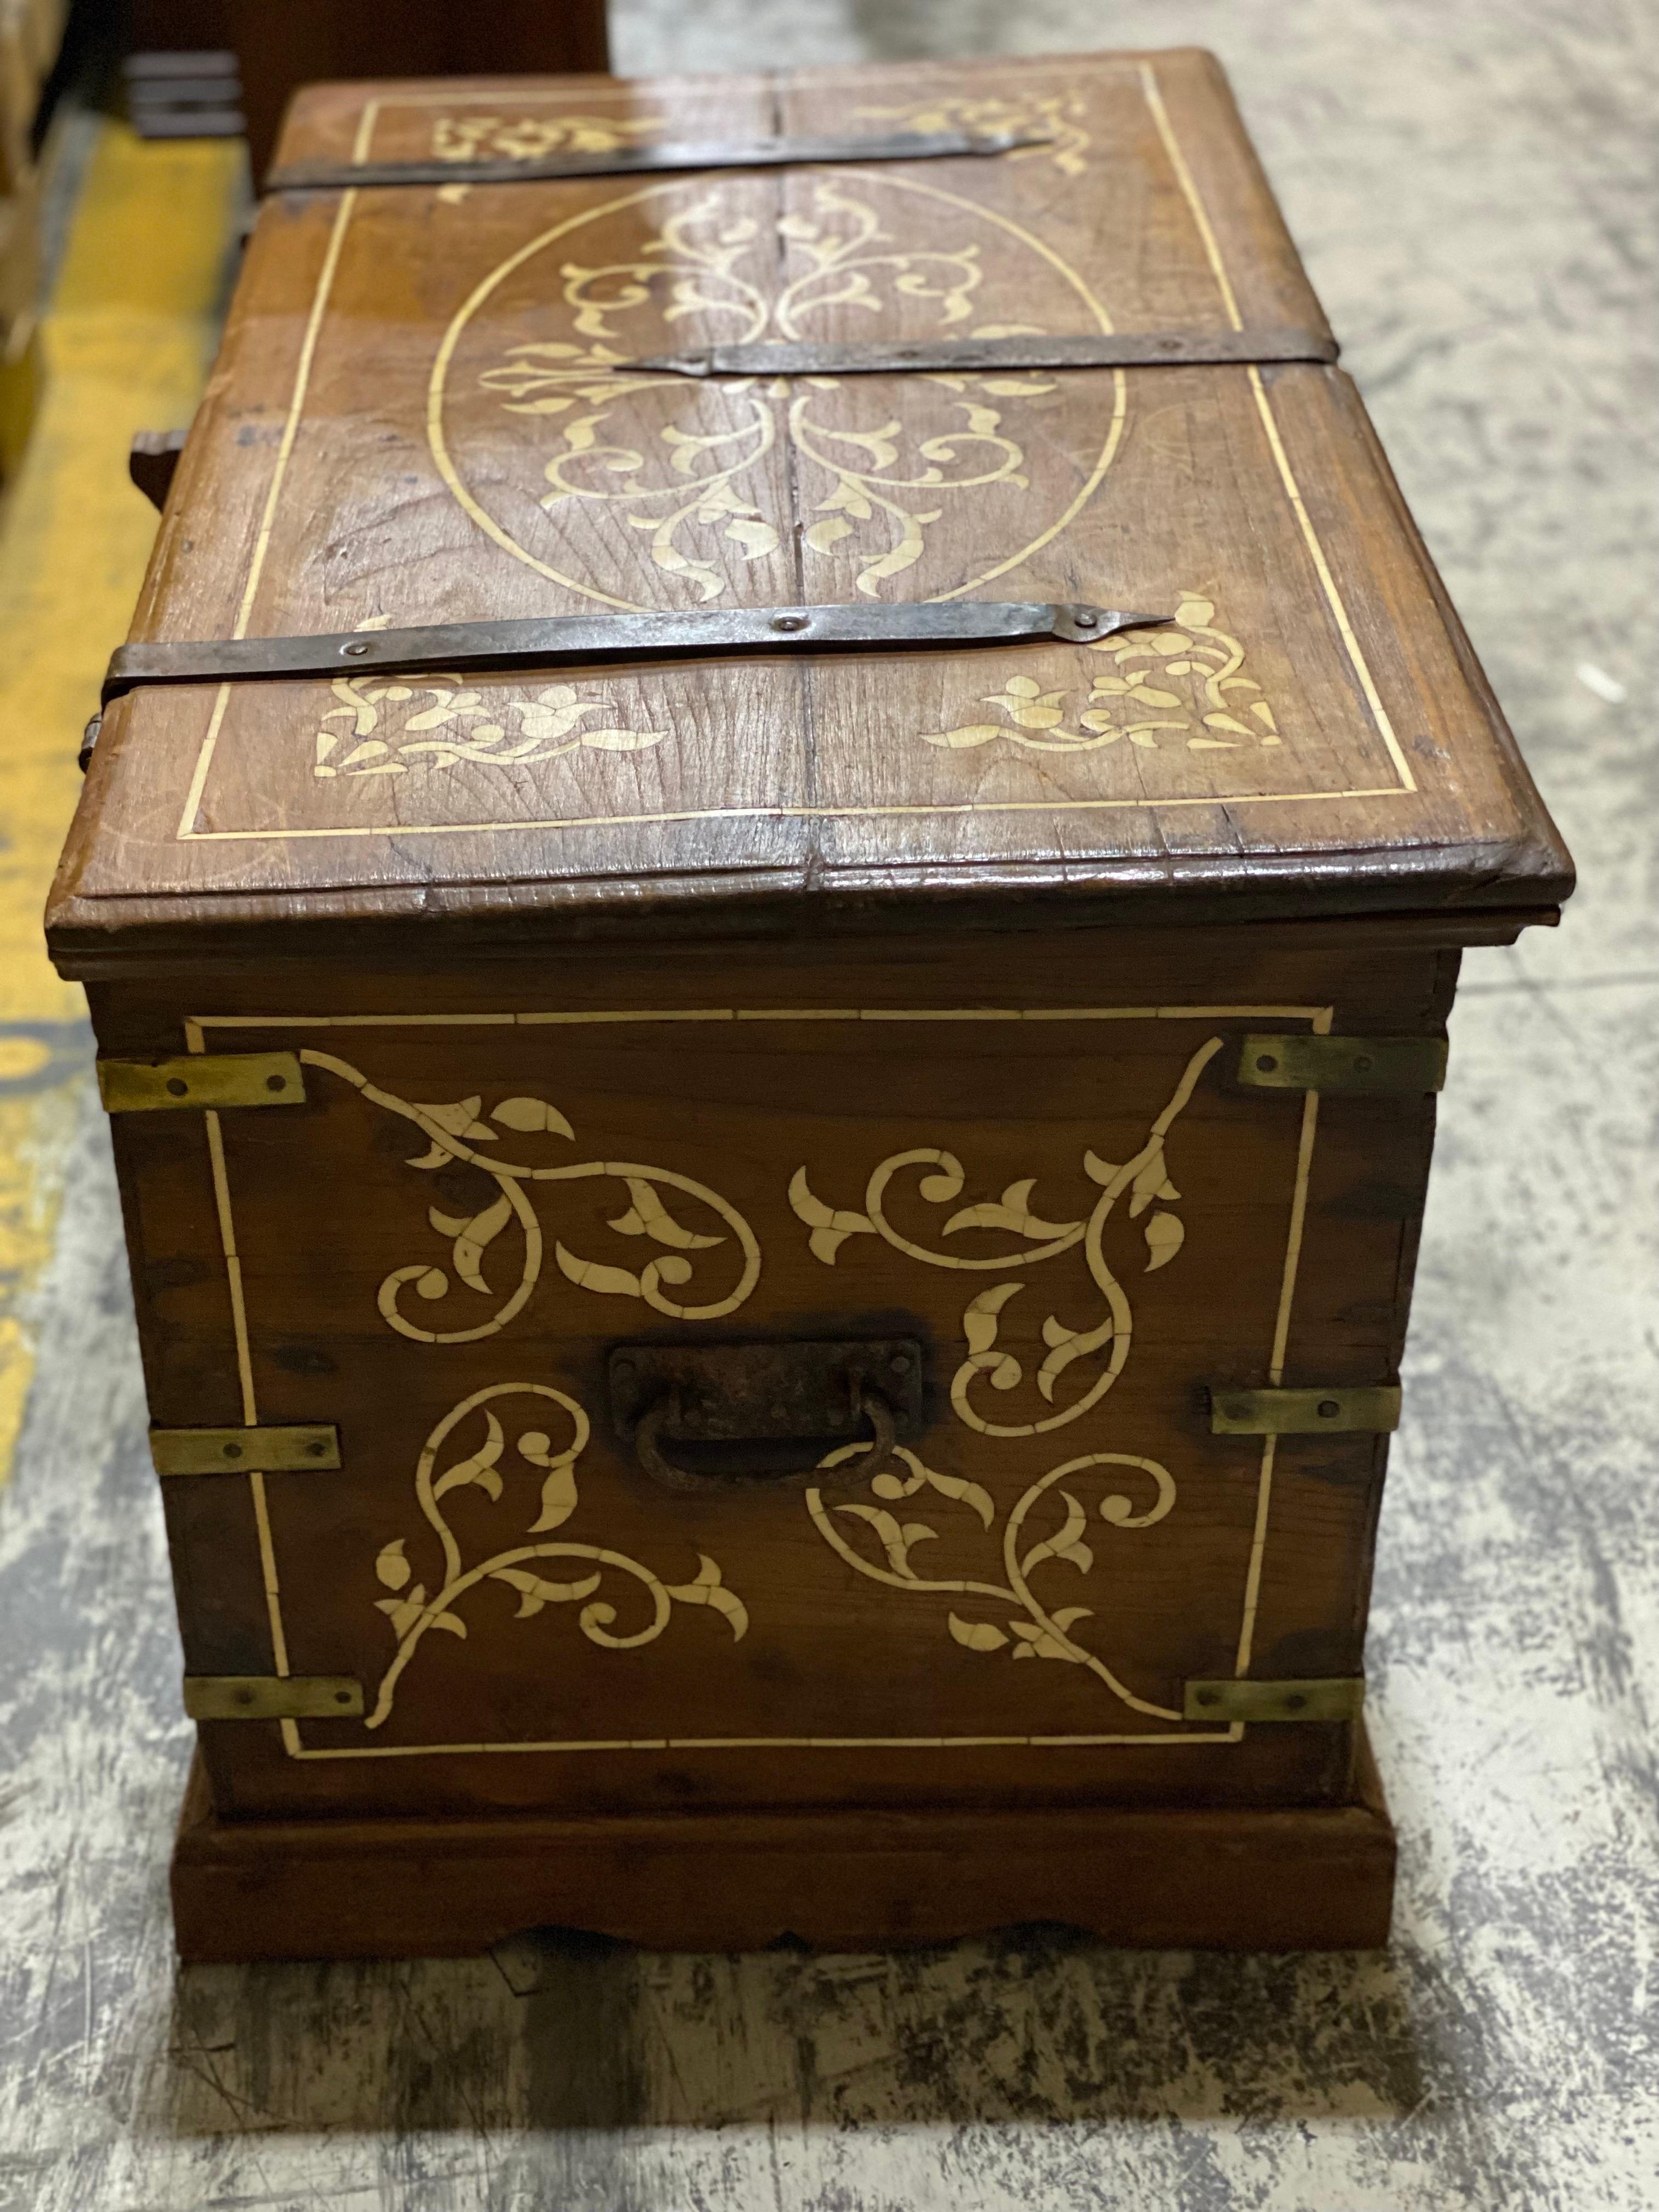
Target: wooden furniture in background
{"x":279,"y":48}
{"x":31,"y":33}
{"x":530,"y":1090}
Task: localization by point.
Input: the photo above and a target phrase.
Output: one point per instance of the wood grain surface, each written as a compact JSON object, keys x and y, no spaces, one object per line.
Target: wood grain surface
{"x":418,"y":416}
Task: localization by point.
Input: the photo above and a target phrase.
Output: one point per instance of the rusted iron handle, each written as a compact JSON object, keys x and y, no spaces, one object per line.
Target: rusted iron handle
{"x":667,"y":1413}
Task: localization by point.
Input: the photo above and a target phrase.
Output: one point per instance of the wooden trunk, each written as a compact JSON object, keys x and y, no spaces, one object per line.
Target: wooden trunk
{"x":769,"y":1283}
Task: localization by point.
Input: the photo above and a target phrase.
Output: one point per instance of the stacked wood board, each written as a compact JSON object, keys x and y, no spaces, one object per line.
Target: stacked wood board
{"x":31,"y":33}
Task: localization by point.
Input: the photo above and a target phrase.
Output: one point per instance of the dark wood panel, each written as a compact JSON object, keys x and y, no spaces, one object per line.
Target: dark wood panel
{"x":327,"y":1210}
{"x":1257,"y":1881}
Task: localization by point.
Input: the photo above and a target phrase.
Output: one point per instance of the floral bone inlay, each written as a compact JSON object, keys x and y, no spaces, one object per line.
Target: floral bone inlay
{"x":534,"y":138}
{"x":1055,"y":118}
{"x":455,"y":725}
{"x":1144,"y":1177}
{"x":879,"y":481}
{"x":453,"y":1134}
{"x":519,"y":1566}
{"x":1034,"y":1630}
{"x":1132,"y":699}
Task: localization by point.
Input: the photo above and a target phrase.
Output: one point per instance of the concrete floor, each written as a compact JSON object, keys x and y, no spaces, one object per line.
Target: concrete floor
{"x":1473,"y":188}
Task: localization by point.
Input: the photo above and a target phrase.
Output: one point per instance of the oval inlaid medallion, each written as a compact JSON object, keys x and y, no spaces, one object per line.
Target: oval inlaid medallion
{"x":652,"y":490}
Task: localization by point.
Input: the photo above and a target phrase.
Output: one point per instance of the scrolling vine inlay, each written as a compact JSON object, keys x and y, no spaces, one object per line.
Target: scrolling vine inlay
{"x":534,"y":137}
{"x":391,"y":731}
{"x":1035,"y":1630}
{"x":1058,"y":117}
{"x":520,"y":1566}
{"x":1144,"y":1178}
{"x":1132,"y":699}
{"x":455,"y":1131}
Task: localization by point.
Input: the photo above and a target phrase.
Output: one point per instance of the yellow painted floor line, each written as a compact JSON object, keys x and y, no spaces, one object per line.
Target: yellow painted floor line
{"x":127,"y":336}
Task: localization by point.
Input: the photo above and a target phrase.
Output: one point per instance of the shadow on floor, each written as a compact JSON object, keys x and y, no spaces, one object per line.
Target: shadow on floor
{"x":1036,"y":2026}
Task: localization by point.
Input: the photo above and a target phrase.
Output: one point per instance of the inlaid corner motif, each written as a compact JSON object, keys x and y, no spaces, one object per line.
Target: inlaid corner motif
{"x":694,"y":471}
{"x":1144,"y":1179}
{"x":390,"y":728}
{"x":534,"y":137}
{"x":1033,"y":1629}
{"x":1186,"y":683}
{"x":1055,"y":118}
{"x":584,"y":1569}
{"x":652,"y":1200}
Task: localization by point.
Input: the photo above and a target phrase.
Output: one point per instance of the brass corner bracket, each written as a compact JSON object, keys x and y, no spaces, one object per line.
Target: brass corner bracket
{"x":1330,"y":1698}
{"x":1326,"y":1411}
{"x":1375,"y":1067}
{"x":313,"y":1449}
{"x":202,"y":1079}
{"x":273,"y":1698}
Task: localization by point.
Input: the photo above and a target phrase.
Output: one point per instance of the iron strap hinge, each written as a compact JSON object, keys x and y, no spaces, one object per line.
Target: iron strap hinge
{"x":201,"y":1079}
{"x":1378,"y":1067}
{"x":1329,"y":1411}
{"x":1329,"y":1698}
{"x":273,"y":1698}
{"x":632,"y":160}
{"x":1091,"y":349}
{"x":546,"y":641}
{"x":308,"y":1448}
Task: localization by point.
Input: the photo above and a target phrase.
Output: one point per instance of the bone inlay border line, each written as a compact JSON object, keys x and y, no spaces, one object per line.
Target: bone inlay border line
{"x":1319,"y":1019}
{"x":187,"y":831}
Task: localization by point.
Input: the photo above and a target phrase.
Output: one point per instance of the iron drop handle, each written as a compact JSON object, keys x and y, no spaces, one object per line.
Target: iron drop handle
{"x":647,"y":1446}
{"x":748,"y":1415}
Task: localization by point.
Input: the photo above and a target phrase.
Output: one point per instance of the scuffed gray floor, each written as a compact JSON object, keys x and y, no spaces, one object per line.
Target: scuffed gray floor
{"x":1475,"y":188}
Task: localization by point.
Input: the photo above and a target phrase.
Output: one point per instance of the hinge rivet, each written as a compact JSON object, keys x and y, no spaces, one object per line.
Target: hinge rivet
{"x":357,"y":648}
{"x":1267,"y":1063}
{"x":789,"y":621}
{"x":276,"y":1082}
{"x":177,"y":1086}
{"x":232,"y":1451}
{"x":1328,"y":1409}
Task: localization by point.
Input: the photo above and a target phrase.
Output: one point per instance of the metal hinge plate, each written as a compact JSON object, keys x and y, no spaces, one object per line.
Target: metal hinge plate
{"x":1380,"y":1067}
{"x":633,"y":161}
{"x":273,"y":1698}
{"x":1304,"y":1413}
{"x":201,"y":1079}
{"x":273,"y":1450}
{"x":1336,"y":1698}
{"x":552,"y":641}
{"x":964,"y":356}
